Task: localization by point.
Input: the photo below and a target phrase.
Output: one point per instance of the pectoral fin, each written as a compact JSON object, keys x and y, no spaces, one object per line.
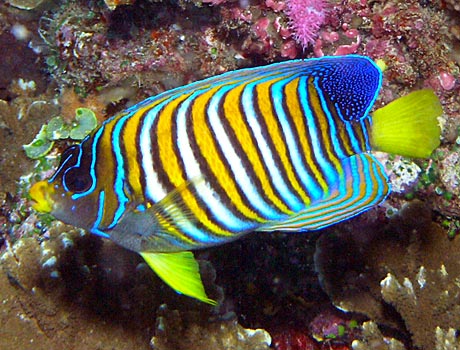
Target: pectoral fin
{"x":158,"y":227}
{"x":180,"y":271}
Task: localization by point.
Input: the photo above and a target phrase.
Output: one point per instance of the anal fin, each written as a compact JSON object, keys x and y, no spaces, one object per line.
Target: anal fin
{"x":364,"y":185}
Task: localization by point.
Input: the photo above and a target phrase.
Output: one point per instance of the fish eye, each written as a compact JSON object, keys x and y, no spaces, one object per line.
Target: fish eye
{"x":76,"y":180}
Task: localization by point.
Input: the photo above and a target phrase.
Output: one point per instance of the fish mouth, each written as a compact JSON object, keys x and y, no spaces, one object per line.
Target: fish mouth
{"x":40,"y":193}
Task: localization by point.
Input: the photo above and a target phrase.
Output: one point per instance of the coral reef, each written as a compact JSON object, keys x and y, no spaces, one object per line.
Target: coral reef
{"x":24,"y":107}
{"x":57,"y":129}
{"x":46,"y":299}
{"x":454,"y":5}
{"x":294,"y":340}
{"x":182,"y":330}
{"x":373,"y":339}
{"x":436,"y":306}
{"x":69,"y":289}
{"x":26,"y":4}
{"x":62,"y":288}
{"x":447,"y":340}
{"x":148,"y":44}
{"x":305,"y":19}
{"x":403,"y":274}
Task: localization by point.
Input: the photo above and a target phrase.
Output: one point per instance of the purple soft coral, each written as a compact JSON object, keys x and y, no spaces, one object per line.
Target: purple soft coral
{"x":305,"y":19}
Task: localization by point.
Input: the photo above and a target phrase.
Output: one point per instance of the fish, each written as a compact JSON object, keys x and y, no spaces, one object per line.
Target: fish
{"x":282,"y":147}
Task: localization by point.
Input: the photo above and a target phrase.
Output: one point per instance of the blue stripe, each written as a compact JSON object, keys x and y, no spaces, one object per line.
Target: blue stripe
{"x":353,"y":140}
{"x":120,"y":172}
{"x":337,"y":145}
{"x":92,"y":170}
{"x":100,"y":214}
{"x":309,"y":184}
{"x":220,"y":213}
{"x":77,"y":164}
{"x":146,"y":127}
{"x":288,"y":197}
{"x":326,"y":213}
{"x":64,"y":162}
{"x":369,"y":165}
{"x":254,"y":197}
{"x":365,"y":132}
{"x":328,"y":170}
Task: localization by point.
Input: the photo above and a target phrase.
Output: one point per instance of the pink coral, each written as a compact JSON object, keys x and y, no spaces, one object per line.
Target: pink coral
{"x":305,"y":19}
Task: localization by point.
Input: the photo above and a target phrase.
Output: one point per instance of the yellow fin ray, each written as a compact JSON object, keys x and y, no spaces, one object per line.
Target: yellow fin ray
{"x":408,"y":126}
{"x":180,"y":271}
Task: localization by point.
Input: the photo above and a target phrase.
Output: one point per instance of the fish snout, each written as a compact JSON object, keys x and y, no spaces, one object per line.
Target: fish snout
{"x":41,"y":193}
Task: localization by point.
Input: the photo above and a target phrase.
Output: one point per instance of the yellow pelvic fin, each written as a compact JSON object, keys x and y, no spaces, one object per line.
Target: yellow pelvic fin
{"x":40,"y":193}
{"x":408,"y":126}
{"x":180,"y":271}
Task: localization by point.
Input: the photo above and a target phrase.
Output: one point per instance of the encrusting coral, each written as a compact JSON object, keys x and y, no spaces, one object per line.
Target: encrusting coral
{"x":72,"y":290}
{"x":373,"y":339}
{"x":447,"y":340}
{"x":429,"y":305}
{"x":403,"y":274}
{"x":187,"y":330}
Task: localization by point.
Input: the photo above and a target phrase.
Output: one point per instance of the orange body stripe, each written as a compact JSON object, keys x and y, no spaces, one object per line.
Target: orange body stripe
{"x":236,"y":120}
{"x":323,"y":125}
{"x":266,"y":110}
{"x":129,"y":138}
{"x":105,"y":170}
{"x":295,"y":110}
{"x":208,"y":149}
{"x":172,"y":168}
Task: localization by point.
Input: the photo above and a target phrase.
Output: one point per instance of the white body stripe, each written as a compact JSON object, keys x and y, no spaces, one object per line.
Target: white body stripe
{"x":309,"y":184}
{"x":268,"y":158}
{"x":154,"y":190}
{"x":236,"y":165}
{"x":208,"y":195}
{"x":317,"y":147}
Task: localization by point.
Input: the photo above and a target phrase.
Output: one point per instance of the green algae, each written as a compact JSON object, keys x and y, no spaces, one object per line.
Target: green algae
{"x":57,"y":129}
{"x":86,"y":122}
{"x":40,"y":146}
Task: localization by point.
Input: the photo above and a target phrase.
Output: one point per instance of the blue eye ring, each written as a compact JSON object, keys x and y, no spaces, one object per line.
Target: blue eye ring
{"x":69,"y":158}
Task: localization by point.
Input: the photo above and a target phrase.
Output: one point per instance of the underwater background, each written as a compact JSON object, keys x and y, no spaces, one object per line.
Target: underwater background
{"x":388,"y":279}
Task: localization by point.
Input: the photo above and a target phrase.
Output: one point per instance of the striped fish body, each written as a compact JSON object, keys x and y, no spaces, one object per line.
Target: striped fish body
{"x":279,"y":147}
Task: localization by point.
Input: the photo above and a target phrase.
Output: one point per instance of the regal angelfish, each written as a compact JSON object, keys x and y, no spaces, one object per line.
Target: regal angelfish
{"x":282,"y":147}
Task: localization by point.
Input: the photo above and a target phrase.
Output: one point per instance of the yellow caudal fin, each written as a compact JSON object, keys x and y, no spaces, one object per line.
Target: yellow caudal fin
{"x":408,"y":126}
{"x":180,"y":271}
